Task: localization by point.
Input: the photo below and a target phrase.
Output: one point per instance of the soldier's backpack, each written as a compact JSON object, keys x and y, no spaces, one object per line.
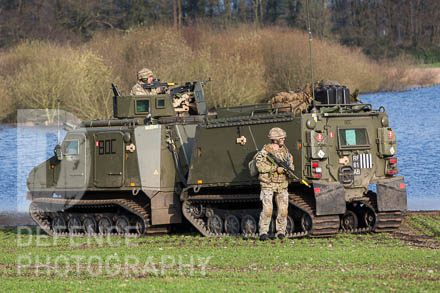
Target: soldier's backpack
{"x":253,"y":170}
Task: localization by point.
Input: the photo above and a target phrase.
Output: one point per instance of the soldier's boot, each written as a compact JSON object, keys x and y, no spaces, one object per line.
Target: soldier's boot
{"x":281,"y":236}
{"x":263,"y":237}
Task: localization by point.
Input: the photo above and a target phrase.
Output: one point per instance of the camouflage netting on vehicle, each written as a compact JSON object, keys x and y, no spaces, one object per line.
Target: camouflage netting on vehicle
{"x":300,"y":98}
{"x":287,"y":100}
{"x":326,"y":82}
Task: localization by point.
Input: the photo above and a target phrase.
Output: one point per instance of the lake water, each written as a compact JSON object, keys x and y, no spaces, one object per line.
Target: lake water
{"x":414,"y":115}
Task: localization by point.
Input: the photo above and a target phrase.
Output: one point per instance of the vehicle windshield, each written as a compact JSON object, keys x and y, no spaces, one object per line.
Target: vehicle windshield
{"x":353,"y":137}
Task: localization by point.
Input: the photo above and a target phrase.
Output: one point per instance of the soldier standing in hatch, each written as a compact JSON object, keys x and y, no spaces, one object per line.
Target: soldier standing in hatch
{"x":144,"y":76}
{"x":274,"y":179}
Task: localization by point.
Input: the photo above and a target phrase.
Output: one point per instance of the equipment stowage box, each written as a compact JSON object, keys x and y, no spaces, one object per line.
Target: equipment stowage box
{"x":332,"y":95}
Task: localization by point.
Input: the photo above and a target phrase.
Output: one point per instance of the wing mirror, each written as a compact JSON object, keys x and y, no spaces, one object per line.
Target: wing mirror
{"x":58,"y":152}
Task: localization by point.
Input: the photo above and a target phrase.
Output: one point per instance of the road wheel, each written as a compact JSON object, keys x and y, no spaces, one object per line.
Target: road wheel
{"x":369,"y":218}
{"x":349,"y":221}
{"x":232,"y":225}
{"x":105,"y":225}
{"x":248,"y":225}
{"x":306,"y":222}
{"x":290,"y":227}
{"x":122,"y":225}
{"x":140,"y":227}
{"x":59,"y":224}
{"x":74,"y":225}
{"x":215,"y":224}
{"x":90,"y":225}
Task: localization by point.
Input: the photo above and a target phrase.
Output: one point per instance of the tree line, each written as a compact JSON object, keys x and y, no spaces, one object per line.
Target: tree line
{"x":383,"y":28}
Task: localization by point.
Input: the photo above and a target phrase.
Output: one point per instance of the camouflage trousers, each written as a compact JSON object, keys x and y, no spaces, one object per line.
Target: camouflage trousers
{"x":282,"y":200}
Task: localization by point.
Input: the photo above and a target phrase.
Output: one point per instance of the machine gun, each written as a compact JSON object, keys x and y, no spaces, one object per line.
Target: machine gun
{"x":156,"y":83}
{"x":188,"y":87}
{"x":285,"y":165}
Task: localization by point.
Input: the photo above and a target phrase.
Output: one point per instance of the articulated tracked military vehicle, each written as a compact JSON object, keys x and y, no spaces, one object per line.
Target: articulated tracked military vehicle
{"x":157,"y":164}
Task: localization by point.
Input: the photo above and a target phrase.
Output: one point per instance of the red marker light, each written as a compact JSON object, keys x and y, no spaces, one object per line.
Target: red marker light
{"x":390,"y":134}
{"x":331,"y":134}
{"x":315,"y":164}
{"x":393,"y":160}
{"x":319,"y":137}
{"x":97,"y":143}
{"x":317,"y":190}
{"x":402,"y":186}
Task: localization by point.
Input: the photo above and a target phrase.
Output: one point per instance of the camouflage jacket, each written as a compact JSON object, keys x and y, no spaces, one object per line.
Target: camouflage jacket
{"x":139,"y":90}
{"x":267,"y":168}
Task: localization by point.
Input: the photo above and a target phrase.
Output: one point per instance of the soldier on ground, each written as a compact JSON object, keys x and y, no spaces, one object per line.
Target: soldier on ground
{"x":274,"y":179}
{"x":144,"y":76}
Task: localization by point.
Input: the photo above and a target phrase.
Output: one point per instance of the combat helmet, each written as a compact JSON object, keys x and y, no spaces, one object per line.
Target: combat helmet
{"x":144,"y":73}
{"x":276,"y":133}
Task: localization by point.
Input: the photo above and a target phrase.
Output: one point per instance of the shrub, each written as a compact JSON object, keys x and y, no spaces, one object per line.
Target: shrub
{"x":45,"y":74}
{"x":246,"y":66}
{"x":7,"y":105}
{"x":225,"y":56}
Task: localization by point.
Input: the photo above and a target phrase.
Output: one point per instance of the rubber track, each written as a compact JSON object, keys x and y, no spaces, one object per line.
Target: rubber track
{"x":321,"y":225}
{"x":37,"y":212}
{"x":385,"y":221}
{"x":327,"y":225}
{"x":200,"y":225}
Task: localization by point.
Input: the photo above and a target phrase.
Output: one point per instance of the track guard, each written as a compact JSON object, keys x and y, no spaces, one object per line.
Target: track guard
{"x":166,"y":209}
{"x":330,"y":198}
{"x":391,"y":195}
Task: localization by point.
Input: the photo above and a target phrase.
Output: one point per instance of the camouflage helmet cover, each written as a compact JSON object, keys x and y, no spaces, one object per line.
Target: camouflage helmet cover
{"x":276,"y":133}
{"x":144,"y":73}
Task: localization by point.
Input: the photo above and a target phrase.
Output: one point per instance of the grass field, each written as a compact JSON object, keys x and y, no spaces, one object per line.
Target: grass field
{"x":405,"y":260}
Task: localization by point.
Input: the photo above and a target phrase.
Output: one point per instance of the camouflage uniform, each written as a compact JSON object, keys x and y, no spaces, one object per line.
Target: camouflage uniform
{"x":272,"y":181}
{"x":137,"y":88}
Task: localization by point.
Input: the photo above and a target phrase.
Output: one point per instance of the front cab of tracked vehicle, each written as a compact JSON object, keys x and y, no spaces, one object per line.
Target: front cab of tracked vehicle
{"x":346,"y":148}
{"x":101,"y":154}
{"x":125,"y":157}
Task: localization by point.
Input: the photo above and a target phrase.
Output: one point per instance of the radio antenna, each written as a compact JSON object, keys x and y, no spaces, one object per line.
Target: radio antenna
{"x":310,"y":51}
{"x":58,"y":121}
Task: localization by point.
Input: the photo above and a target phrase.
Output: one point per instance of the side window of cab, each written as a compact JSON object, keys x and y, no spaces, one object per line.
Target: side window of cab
{"x":71,"y":147}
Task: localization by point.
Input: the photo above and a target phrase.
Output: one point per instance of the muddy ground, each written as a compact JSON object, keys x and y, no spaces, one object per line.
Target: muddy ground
{"x":414,"y":237}
{"x":11,"y":219}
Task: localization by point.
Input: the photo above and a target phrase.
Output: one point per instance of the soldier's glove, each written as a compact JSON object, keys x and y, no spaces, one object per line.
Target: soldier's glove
{"x":280,"y":170}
